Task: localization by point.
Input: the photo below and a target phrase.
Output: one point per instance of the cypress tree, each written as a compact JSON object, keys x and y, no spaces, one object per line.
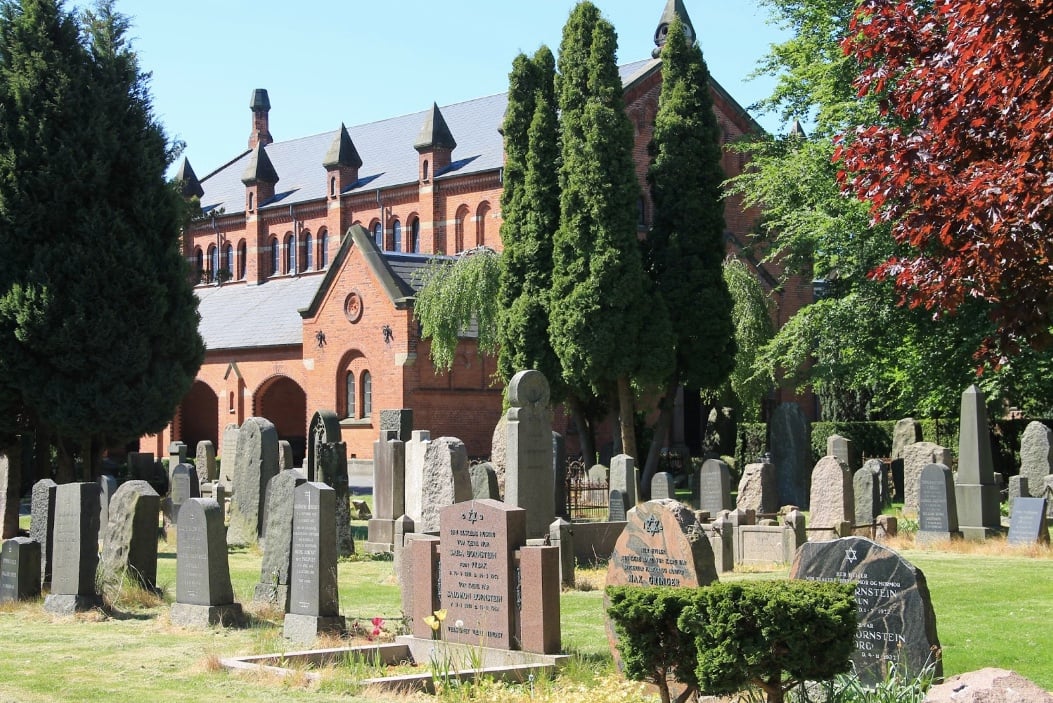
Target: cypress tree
{"x":101,"y":324}
{"x":605,"y":326}
{"x":684,"y":250}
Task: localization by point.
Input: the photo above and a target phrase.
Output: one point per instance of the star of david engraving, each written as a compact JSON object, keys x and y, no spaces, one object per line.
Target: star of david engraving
{"x":652,"y":525}
{"x":471,"y":516}
{"x":850,"y":555}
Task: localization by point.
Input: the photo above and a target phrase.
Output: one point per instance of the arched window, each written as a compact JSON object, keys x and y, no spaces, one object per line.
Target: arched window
{"x":308,"y":252}
{"x":378,"y":235}
{"x":228,"y":259}
{"x":415,"y":235}
{"x":480,"y":223}
{"x":367,"y":394}
{"x":242,"y":256}
{"x":199,"y":263}
{"x":396,"y":236}
{"x":323,"y":249}
{"x":213,"y":261}
{"x":276,"y":262}
{"x":332,"y":187}
{"x":349,"y":397}
{"x":458,"y":229}
{"x":290,"y":253}
{"x":252,"y":201}
{"x":425,"y":170}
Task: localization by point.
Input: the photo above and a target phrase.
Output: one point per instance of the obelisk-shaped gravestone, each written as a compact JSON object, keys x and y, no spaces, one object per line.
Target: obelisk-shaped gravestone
{"x":529,"y":477}
{"x":255,"y":463}
{"x":42,"y":524}
{"x":975,"y":490}
{"x":277,"y":552}
{"x":76,"y":545}
{"x":332,"y":471}
{"x":131,"y":536}
{"x":204,"y":595}
{"x":314,"y":603}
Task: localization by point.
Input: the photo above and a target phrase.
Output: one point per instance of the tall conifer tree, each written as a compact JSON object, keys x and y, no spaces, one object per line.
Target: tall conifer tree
{"x":684,"y":250}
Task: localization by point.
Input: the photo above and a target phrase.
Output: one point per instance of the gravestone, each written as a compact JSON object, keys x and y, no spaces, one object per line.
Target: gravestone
{"x":142,"y":467}
{"x":937,"y":511}
{"x":499,"y":450}
{"x":662,"y":486}
{"x":867,"y":491}
{"x":477,"y":543}
{"x":446,"y":480}
{"x":389,"y":490}
{"x":332,"y":471}
{"x":419,"y":582}
{"x":529,"y":476}
{"x":896,"y":622}
{"x":107,"y":487}
{"x":915,"y":458}
{"x":19,"y":569}
{"x":559,"y":472}
{"x":597,"y":477}
{"x":76,"y":545}
{"x":398,"y":421}
{"x":791,"y":454}
{"x":757,"y":489}
{"x":42,"y":524}
{"x":255,"y":463}
{"x":10,"y":485}
{"x":416,"y":448}
{"x":561,"y":534}
{"x":714,"y":487}
{"x":314,"y":603}
{"x":176,"y":454}
{"x":273,"y":586}
{"x":623,"y":477}
{"x":484,"y":481}
{"x":832,"y":498}
{"x":617,"y":506}
{"x":842,"y":448}
{"x":184,"y":486}
{"x":204,"y":595}
{"x":1036,"y":456}
{"x":976,"y":491}
{"x":906,"y":432}
{"x":881,"y":477}
{"x":323,"y":429}
{"x":285,"y":455}
{"x":1018,"y":488}
{"x":1027,"y":522}
{"x":229,"y":450}
{"x":131,"y":537}
{"x":205,"y":460}
{"x":403,"y":527}
{"x":537,"y":588}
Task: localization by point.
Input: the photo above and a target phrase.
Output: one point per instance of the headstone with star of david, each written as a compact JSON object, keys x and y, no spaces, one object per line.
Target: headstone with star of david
{"x":896,"y":622}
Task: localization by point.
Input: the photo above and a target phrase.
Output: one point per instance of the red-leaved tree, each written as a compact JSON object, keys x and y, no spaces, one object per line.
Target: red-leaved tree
{"x":963,"y":166}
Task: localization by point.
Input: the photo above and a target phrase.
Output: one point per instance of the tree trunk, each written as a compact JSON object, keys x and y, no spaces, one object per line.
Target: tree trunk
{"x":626,"y":410}
{"x":64,"y":470}
{"x":661,"y":428}
{"x":586,"y":434}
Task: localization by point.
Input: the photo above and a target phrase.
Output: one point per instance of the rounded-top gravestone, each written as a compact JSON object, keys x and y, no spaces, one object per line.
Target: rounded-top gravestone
{"x":1036,"y":456}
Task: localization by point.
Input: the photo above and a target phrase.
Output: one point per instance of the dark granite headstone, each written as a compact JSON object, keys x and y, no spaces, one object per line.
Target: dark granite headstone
{"x":184,"y":486}
{"x":791,"y":451}
{"x":1027,"y":523}
{"x":255,"y":463}
{"x":107,"y":487}
{"x":273,"y":586}
{"x":131,"y":536}
{"x":19,"y":569}
{"x":976,"y":490}
{"x":616,"y":507}
{"x":323,"y":429}
{"x":478,"y":540}
{"x":937,"y":516}
{"x":76,"y":543}
{"x":714,"y":487}
{"x":398,"y":421}
{"x":897,"y":624}
{"x":332,"y":471}
{"x":867,"y":492}
{"x":42,"y":524}
{"x":881,"y":476}
{"x":314,"y":603}
{"x":484,"y":481}
{"x":10,"y":490}
{"x":662,"y":486}
{"x":204,"y":595}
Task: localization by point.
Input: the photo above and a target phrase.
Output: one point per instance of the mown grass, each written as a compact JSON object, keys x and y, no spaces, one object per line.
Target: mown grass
{"x":993,"y":604}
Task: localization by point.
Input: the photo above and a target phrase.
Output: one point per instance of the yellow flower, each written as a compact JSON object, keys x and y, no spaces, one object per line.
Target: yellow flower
{"x":432,"y":622}
{"x":440,"y":614}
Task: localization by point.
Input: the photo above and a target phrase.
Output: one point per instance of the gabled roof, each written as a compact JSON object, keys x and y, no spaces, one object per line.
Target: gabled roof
{"x":342,"y":151}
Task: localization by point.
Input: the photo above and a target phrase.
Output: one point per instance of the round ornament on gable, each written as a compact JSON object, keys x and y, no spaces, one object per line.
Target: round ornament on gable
{"x":353,"y":307}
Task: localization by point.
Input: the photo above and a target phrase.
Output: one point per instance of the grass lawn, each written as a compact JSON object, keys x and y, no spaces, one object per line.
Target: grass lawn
{"x":992,"y":607}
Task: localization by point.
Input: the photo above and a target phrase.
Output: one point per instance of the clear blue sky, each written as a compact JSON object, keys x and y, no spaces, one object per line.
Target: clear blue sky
{"x":324,"y":62}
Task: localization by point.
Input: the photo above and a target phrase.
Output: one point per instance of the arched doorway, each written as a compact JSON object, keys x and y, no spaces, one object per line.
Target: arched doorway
{"x":200,"y":416}
{"x":281,"y":400}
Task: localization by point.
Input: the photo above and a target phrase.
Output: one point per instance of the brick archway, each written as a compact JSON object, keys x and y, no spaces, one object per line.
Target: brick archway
{"x":199,"y":412}
{"x":282,"y":401}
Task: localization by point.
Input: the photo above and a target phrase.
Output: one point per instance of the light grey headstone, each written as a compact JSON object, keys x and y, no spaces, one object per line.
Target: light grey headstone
{"x":285,"y":455}
{"x":832,"y":497}
{"x":1036,"y":456}
{"x":598,"y":480}
{"x":881,"y":477}
{"x":398,"y":421}
{"x":446,"y":480}
{"x":1018,"y":488}
{"x":499,"y":450}
{"x":529,"y":478}
{"x":484,"y":481}
{"x":403,"y":526}
{"x":229,"y":450}
{"x":1027,"y":523}
{"x":204,"y":595}
{"x":662,"y":486}
{"x":416,"y":447}
{"x":623,"y":477}
{"x":714,"y":487}
{"x":314,"y":602}
{"x":389,"y":490}
{"x":176,"y":454}
{"x":791,"y":454}
{"x":76,"y":545}
{"x":273,"y":586}
{"x":42,"y":524}
{"x":255,"y":463}
{"x":561,"y":534}
{"x":131,"y":536}
{"x":916,"y":457}
{"x":205,"y":460}
{"x":107,"y":487}
{"x":842,"y":448}
{"x":183,"y":486}
{"x":906,"y":432}
{"x":757,"y":489}
{"x":975,"y":489}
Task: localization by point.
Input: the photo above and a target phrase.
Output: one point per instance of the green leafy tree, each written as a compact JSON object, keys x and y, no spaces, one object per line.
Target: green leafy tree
{"x":98,"y":322}
{"x":606,"y":326}
{"x":753,"y":329}
{"x":684,"y":250}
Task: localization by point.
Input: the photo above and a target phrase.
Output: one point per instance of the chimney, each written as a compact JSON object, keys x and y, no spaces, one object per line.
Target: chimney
{"x":260,"y":106}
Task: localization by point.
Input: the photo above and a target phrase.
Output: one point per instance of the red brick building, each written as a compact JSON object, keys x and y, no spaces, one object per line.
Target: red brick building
{"x":307,"y":250}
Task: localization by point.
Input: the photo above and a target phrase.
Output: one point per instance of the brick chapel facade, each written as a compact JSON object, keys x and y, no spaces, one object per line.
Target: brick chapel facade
{"x":307,"y":252}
